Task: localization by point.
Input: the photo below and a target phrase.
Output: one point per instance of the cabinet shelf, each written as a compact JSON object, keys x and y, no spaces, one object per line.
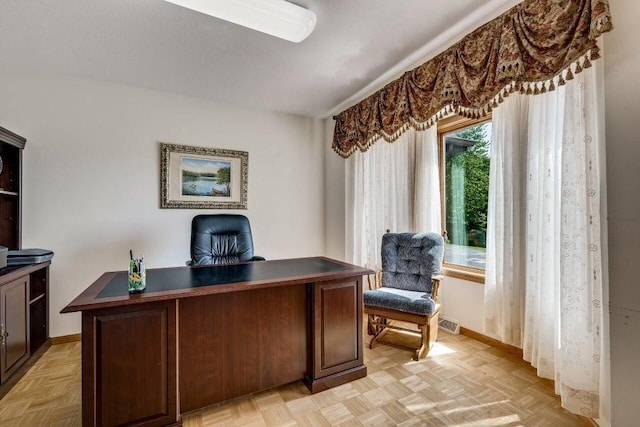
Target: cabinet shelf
{"x":39,"y":297}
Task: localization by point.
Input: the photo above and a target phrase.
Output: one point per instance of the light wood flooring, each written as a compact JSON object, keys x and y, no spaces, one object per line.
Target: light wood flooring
{"x":462,"y":382}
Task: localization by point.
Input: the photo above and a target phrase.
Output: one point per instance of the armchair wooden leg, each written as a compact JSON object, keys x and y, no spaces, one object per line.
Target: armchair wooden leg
{"x":433,"y":327}
{"x":424,"y":341}
{"x":371,"y":330}
{"x":378,"y":326}
{"x":429,"y":335}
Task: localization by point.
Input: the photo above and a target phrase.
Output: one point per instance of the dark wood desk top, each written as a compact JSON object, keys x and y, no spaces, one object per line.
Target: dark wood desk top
{"x":111,"y":288}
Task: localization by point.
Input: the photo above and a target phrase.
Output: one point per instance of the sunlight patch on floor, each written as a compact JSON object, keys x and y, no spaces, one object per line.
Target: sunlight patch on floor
{"x":439,"y":349}
{"x":484,"y":406}
{"x":417,"y":408}
{"x":496,"y":421}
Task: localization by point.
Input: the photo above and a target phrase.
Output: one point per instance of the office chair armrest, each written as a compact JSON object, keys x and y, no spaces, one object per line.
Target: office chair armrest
{"x":435,"y":286}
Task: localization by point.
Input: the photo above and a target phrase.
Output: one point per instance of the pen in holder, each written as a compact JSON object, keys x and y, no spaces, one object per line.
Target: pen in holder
{"x":137,"y":276}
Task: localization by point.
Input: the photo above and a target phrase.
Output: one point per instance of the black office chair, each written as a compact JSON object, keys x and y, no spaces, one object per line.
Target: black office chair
{"x":221,"y":239}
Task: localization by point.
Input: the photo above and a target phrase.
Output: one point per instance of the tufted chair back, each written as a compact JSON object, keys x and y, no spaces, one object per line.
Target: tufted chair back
{"x":220,"y":239}
{"x":409,"y":260}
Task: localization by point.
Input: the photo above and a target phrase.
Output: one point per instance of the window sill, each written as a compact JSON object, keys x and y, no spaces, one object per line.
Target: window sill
{"x":463,"y":274}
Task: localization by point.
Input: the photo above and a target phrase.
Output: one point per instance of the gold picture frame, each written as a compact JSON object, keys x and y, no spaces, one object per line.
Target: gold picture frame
{"x":203,"y":178}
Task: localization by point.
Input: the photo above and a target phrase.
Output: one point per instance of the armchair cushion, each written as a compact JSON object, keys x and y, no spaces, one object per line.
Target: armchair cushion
{"x":400,"y":300}
{"x":409,"y":260}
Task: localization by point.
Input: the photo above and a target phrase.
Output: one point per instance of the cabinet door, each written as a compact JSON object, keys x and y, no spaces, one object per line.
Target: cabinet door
{"x":14,"y":343}
{"x":129,"y":358}
{"x":337,"y":326}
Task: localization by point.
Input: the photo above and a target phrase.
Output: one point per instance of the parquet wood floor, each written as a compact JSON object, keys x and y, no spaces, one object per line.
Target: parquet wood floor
{"x":462,"y":383}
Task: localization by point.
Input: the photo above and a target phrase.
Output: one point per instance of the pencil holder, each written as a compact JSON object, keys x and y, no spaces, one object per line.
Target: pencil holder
{"x":137,"y":277}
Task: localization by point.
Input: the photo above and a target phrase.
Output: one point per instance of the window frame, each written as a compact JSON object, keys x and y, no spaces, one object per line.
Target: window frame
{"x":445,"y":126}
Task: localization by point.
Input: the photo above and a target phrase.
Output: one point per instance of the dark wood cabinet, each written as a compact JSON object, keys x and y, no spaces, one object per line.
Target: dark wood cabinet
{"x":14,"y":326}
{"x":11,"y":146}
{"x":24,"y":313}
{"x":24,"y":289}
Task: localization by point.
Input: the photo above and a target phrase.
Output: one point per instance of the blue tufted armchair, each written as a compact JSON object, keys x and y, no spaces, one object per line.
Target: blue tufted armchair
{"x":411,"y":264}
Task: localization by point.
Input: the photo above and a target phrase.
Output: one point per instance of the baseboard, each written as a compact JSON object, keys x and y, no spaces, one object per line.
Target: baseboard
{"x":509,"y":349}
{"x":66,"y":339}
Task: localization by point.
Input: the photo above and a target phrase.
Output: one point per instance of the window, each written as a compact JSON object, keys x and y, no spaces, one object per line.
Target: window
{"x":465,"y":145}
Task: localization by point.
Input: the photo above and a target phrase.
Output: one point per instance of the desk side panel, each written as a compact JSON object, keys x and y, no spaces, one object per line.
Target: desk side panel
{"x":241,"y":342}
{"x":337,"y":356}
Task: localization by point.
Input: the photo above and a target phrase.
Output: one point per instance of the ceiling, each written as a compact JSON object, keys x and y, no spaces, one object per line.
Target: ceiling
{"x":357,"y":45}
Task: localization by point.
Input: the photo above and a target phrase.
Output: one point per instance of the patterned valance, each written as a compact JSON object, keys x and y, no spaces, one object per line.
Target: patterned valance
{"x":533,"y":47}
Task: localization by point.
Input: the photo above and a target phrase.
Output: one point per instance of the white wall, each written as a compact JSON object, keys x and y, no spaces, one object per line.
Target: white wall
{"x":463,"y":301}
{"x":334,"y":201}
{"x":92,"y":172}
{"x":622,"y":109}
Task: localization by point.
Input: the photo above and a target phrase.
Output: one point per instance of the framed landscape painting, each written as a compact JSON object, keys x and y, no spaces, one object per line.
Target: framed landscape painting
{"x":203,"y":178}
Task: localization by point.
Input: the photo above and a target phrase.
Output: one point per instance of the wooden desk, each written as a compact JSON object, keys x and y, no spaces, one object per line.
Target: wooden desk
{"x":202,"y":335}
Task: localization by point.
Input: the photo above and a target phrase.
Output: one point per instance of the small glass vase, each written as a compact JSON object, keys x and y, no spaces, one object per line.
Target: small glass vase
{"x":137,"y":277}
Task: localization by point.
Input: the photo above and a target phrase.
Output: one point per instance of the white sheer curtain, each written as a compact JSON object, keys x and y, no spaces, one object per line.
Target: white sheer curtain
{"x":505,"y":268}
{"x":391,"y":186}
{"x":560,"y":237}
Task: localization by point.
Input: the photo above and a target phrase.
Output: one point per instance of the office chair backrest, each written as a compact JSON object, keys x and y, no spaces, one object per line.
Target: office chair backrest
{"x":220,"y":239}
{"x":409,"y":260}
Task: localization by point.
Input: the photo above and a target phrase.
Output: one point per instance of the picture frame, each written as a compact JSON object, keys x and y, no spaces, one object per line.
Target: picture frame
{"x":203,"y":178}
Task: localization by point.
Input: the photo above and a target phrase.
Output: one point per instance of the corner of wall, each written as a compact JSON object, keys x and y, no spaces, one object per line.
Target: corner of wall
{"x":334,"y":202}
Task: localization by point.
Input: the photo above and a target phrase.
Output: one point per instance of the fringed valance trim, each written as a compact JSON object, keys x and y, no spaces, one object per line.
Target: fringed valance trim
{"x":525,"y":88}
{"x":474,"y":76}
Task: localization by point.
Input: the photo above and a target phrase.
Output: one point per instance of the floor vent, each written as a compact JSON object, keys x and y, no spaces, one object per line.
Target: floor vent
{"x":450,"y":325}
